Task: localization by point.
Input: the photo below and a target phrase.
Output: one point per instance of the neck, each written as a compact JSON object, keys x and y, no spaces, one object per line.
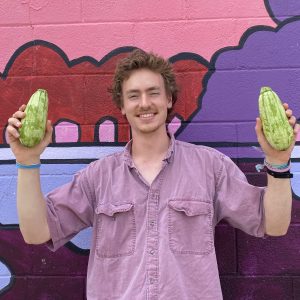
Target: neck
{"x":149,"y":147}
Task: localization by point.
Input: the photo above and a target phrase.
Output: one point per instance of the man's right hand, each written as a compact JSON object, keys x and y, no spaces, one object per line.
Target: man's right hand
{"x":23,"y":154}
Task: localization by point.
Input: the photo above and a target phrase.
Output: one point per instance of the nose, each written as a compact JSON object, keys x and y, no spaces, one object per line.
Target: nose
{"x":145,"y":101}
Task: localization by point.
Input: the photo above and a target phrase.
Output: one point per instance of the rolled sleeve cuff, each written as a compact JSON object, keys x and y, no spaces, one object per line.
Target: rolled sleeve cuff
{"x":261,"y":231}
{"x":56,"y":235}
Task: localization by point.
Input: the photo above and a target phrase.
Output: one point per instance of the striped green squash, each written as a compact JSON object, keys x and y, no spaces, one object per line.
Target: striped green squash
{"x":34,"y":124}
{"x":276,"y":127}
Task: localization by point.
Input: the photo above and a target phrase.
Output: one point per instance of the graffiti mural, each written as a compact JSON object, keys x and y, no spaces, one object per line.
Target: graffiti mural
{"x":220,"y":70}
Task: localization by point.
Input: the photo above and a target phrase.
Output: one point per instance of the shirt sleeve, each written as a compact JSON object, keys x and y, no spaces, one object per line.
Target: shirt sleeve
{"x":69,"y":209}
{"x":237,"y":201}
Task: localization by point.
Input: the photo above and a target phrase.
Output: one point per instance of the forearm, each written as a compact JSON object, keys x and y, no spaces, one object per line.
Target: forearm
{"x":277,"y":206}
{"x":31,"y":207}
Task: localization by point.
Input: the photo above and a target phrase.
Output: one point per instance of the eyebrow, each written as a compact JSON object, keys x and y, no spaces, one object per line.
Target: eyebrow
{"x":153,"y":88}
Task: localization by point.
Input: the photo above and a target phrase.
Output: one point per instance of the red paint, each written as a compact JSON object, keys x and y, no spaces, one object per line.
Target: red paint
{"x":79,"y":93}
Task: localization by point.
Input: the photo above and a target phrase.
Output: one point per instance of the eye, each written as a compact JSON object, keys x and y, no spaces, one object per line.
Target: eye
{"x":132,"y":97}
{"x":154,"y":93}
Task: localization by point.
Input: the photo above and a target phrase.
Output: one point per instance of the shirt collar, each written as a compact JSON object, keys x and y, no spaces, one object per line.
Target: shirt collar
{"x":168,"y":158}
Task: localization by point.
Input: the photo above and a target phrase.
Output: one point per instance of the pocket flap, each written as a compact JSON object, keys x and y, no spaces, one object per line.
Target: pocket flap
{"x":190,"y":208}
{"x":110,"y":209}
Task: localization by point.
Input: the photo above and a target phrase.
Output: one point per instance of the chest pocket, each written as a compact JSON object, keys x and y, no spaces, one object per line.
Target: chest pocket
{"x":190,"y":227}
{"x":116,"y":230}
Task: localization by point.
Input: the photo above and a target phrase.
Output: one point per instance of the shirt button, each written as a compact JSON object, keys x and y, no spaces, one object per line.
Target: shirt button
{"x":152,"y":223}
{"x":151,"y":251}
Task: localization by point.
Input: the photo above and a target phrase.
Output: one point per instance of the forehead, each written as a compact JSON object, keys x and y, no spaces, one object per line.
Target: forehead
{"x":143,"y":79}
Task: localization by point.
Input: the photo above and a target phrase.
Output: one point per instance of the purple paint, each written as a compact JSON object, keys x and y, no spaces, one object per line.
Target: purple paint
{"x":225,"y":248}
{"x":266,"y":59}
{"x":257,"y":288}
{"x":283,"y":10}
{"x":277,"y":256}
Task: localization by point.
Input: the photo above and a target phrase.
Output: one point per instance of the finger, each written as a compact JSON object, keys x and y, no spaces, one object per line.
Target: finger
{"x":285,"y":105}
{"x":19,"y":114}
{"x":259,"y":129}
{"x":296,"y":129}
{"x":258,"y":126}
{"x":289,"y":113}
{"x":22,"y":107}
{"x":48,"y":134}
{"x":14,"y":122}
{"x":13,"y":132}
{"x":292,"y":120}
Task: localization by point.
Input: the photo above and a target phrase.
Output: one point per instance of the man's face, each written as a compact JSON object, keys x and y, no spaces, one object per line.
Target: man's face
{"x":145,"y":102}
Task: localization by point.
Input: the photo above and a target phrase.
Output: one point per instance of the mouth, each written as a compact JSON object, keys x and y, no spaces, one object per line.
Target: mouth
{"x":146,"y":115}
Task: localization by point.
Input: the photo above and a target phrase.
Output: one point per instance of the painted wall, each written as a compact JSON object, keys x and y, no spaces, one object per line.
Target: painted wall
{"x":222,"y":52}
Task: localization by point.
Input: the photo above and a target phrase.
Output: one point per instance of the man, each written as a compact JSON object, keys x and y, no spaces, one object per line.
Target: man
{"x":153,"y":206}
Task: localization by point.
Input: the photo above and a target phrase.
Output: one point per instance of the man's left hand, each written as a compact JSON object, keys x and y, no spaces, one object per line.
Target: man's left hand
{"x":274,"y":156}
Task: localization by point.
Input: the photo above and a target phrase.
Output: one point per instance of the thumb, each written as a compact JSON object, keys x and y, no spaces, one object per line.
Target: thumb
{"x":259,"y":132}
{"x":258,"y":127}
{"x":48,"y":133}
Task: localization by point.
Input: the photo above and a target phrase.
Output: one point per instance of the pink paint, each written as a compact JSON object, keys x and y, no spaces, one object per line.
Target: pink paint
{"x":174,"y":125}
{"x":66,"y":132}
{"x":107,"y":131}
{"x":97,"y":27}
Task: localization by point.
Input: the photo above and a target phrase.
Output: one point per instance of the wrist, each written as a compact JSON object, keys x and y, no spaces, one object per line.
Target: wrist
{"x":27,"y":166}
{"x":274,"y":161}
{"x":29,"y":161}
{"x":276,"y":170}
{"x":278,"y":167}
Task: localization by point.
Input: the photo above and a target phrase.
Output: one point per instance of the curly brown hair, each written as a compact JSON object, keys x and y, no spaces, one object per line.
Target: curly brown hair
{"x":139,"y":59}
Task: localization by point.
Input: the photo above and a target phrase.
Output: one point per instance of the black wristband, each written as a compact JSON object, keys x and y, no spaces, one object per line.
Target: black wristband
{"x":287,"y":174}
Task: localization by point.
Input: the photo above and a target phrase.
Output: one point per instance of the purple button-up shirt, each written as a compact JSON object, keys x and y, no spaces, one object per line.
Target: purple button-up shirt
{"x":155,"y":241}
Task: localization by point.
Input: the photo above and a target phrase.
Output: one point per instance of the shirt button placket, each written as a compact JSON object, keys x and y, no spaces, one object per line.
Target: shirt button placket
{"x":152,"y":244}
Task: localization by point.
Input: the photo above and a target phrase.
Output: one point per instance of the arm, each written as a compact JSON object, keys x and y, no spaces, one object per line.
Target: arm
{"x":30,"y":201}
{"x":277,"y":206}
{"x":31,"y":207}
{"x":278,"y":196}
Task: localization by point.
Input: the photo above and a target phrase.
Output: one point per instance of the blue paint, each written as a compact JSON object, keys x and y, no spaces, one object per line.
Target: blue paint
{"x":5,"y":276}
{"x":83,"y":239}
{"x":54,"y":175}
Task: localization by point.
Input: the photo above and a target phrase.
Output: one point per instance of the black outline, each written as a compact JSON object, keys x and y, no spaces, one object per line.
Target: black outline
{"x":12,"y":281}
{"x":69,"y":121}
{"x":69,"y":63}
{"x":185,"y":55}
{"x":272,"y":15}
{"x":270,"y":12}
{"x":212,"y":64}
{"x":99,"y":122}
{"x":76,"y":249}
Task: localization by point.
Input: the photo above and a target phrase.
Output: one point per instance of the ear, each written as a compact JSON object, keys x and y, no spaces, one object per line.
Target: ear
{"x":170,"y":102}
{"x":123,"y":111}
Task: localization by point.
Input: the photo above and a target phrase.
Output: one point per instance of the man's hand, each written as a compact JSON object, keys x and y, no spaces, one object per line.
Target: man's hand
{"x":274,"y":156}
{"x":24,"y":154}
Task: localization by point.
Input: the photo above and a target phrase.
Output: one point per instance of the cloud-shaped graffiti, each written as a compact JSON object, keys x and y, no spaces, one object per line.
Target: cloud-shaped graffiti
{"x":168,"y":27}
{"x":282,"y":10}
{"x":78,"y":89}
{"x":229,"y":103}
